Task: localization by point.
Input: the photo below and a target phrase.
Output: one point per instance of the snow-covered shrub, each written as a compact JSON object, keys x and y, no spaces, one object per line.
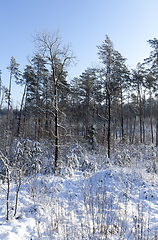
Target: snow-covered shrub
{"x":77,"y":149}
{"x":134,"y":152}
{"x":87,"y":166}
{"x":47,"y":158}
{"x":76,"y":159}
{"x":2,"y":169}
{"x":72,"y":160}
{"x":48,"y":165}
{"x":27,"y":156}
{"x":91,"y":139}
{"x":107,"y":159}
{"x":123,"y":158}
{"x":66,"y":172}
{"x":67,"y":166}
{"x":103,"y":161}
{"x":86,"y":174}
{"x":151,"y":164}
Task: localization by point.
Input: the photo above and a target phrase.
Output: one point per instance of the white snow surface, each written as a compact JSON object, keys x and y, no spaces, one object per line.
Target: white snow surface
{"x":96,"y":205}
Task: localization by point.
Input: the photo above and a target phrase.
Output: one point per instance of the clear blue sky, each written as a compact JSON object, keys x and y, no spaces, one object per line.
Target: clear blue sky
{"x":83,"y":23}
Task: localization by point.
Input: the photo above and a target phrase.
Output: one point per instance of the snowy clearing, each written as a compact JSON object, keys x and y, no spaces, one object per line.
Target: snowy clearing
{"x":112,"y":201}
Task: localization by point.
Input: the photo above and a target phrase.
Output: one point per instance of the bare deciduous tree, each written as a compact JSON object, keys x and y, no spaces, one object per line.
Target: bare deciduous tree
{"x":59,"y":57}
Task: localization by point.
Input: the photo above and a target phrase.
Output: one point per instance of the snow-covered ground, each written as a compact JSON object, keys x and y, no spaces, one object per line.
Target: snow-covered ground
{"x":114,"y":200}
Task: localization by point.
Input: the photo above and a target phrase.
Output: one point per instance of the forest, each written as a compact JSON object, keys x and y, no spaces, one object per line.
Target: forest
{"x":103,"y":104}
{"x":100,"y":125}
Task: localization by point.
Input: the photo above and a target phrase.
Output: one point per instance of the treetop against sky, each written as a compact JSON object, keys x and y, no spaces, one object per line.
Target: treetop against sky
{"x":84,"y":24}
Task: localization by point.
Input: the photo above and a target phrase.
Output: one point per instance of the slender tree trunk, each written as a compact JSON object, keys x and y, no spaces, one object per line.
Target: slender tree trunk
{"x":143,"y":130}
{"x":56,"y":127}
{"x":109,"y":122}
{"x":9,"y":99}
{"x":8,"y":192}
{"x":127,"y":126}
{"x":151,"y":124}
{"x":122,"y":122}
{"x":104,"y":131}
{"x":140,"y":121}
{"x":1,"y":97}
{"x":139,"y":101}
{"x":78,"y":127}
{"x":88,"y":116}
{"x":94,"y":113}
{"x":17,"y":194}
{"x":134,"y":125}
{"x":47,"y":111}
{"x":143,"y":118}
{"x":56,"y":139}
{"x":130,"y":130}
{"x":106,"y":110}
{"x":22,"y":102}
{"x":157,"y":129}
{"x":1,"y":103}
{"x":6,"y":165}
{"x":115,"y":128}
{"x":0,"y":84}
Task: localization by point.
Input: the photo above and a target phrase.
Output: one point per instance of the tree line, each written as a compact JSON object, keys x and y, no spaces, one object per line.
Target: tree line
{"x":103,"y":104}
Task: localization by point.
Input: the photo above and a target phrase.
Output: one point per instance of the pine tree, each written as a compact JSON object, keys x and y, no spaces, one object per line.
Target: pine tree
{"x":87,"y":83}
{"x":152,"y":77}
{"x":138,"y":83}
{"x":121,"y":77}
{"x":106,"y":55}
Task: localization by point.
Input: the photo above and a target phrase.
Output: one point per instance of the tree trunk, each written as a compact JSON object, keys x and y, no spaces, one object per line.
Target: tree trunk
{"x":109,"y":122}
{"x":8,"y":191}
{"x":151,"y":124}
{"x":139,"y":103}
{"x":140,"y":118}
{"x":17,"y":194}
{"x":143,"y":118}
{"x":87,"y":116}
{"x":130,"y":130}
{"x":134,"y":125}
{"x":9,"y":100}
{"x":157,"y":129}
{"x":22,"y":102}
{"x":122,"y":123}
{"x":106,"y":110}
{"x":56,"y":127}
{"x":127,"y":126}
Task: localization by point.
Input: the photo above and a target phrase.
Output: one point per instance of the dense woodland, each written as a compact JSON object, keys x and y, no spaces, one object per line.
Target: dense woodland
{"x":102,"y":106}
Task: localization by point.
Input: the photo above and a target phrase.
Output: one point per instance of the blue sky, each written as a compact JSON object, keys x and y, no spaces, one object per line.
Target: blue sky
{"x":83,"y":23}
